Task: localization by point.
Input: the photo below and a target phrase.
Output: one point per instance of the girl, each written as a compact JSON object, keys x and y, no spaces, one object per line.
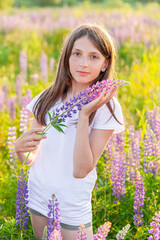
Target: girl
{"x":64,"y":164}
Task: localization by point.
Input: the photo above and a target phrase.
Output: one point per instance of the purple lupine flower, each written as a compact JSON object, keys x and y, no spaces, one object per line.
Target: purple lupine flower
{"x":23,"y":64}
{"x":155,"y":231}
{"x":149,"y":151}
{"x":51,"y":64}
{"x":81,"y":233}
{"x":109,"y":148}
{"x":11,"y":107}
{"x":87,"y":96}
{"x":157,"y":135}
{"x":118,"y":177}
{"x":11,"y":140}
{"x":18,"y":88}
{"x":54,"y":220}
{"x":44,"y":66}
{"x":138,"y":200}
{"x":122,"y":233}
{"x":2,"y":99}
{"x":133,"y":158}
{"x":103,"y":231}
{"x":21,"y":202}
{"x":5,"y":90}
{"x":24,"y":120}
{"x":26,"y":99}
{"x":151,"y":117}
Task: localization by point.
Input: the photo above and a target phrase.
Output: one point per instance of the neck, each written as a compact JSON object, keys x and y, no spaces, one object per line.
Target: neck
{"x":75,"y":89}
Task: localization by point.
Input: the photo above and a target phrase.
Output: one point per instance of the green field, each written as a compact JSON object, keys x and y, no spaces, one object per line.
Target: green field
{"x":31,"y":41}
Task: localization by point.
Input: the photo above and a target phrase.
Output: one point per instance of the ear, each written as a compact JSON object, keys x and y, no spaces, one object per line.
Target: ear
{"x":104,"y":66}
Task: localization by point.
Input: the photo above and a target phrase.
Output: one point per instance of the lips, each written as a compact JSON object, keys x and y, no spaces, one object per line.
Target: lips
{"x":83,"y":73}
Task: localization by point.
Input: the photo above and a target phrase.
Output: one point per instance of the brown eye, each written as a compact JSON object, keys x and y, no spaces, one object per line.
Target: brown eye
{"x":76,"y":54}
{"x":94,"y":57}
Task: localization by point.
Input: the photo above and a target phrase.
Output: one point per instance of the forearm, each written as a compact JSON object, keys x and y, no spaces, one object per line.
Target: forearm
{"x":82,"y":157}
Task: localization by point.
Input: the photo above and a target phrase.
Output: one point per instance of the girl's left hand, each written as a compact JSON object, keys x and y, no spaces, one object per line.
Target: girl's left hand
{"x":104,"y":97}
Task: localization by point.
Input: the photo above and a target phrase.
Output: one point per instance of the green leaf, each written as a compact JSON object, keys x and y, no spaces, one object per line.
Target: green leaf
{"x":62,"y":125}
{"x":53,"y":113}
{"x":49,"y":115}
{"x":58,"y":128}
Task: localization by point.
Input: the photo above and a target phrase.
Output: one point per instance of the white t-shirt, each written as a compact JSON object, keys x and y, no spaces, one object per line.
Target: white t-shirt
{"x":52,"y":170}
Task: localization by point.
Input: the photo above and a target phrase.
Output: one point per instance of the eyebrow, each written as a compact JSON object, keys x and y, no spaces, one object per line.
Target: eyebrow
{"x":76,"y":49}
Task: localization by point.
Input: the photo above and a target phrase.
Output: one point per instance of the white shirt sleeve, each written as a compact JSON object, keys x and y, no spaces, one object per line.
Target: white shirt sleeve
{"x":104,"y":120}
{"x":31,"y":104}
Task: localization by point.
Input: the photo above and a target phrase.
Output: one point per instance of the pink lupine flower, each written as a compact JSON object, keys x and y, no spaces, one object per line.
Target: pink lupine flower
{"x":103,"y":231}
{"x":44,"y":66}
{"x":81,"y":233}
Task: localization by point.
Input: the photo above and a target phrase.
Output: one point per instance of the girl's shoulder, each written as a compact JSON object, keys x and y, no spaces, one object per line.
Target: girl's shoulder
{"x":34,"y":100}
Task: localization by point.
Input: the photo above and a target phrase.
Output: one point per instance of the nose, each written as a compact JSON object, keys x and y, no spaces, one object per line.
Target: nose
{"x":84,"y":62}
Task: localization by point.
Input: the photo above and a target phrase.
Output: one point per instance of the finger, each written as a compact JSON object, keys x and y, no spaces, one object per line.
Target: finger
{"x":36,"y":138}
{"x":33,"y":130}
{"x":111,"y":92}
{"x":39,"y":137}
{"x":32,"y":148}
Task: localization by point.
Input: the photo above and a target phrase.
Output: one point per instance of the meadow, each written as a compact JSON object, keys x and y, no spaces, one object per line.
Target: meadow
{"x":127,"y":190}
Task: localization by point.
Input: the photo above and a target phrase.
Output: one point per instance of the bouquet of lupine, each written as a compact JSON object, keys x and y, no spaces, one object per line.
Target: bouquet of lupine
{"x":66,"y":110}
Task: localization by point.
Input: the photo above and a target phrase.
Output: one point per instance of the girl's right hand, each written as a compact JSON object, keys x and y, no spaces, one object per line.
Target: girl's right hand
{"x":29,"y":140}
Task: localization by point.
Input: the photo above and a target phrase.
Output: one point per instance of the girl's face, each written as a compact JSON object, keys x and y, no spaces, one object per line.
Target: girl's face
{"x":86,"y":61}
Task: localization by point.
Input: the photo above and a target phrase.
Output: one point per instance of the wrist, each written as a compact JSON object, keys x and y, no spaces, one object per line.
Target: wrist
{"x":83,"y":116}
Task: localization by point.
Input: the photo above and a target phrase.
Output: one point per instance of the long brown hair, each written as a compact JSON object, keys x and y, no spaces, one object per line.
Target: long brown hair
{"x":104,"y":43}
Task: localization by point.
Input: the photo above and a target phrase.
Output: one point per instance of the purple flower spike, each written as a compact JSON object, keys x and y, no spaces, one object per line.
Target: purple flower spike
{"x":155,"y":231}
{"x":53,"y":228}
{"x":21,"y":202}
{"x":138,"y":200}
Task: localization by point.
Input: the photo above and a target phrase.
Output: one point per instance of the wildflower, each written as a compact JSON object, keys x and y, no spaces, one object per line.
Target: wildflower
{"x":54,"y":221}
{"x":18,"y":88}
{"x":118,"y":176}
{"x":24,"y":120}
{"x":21,"y":202}
{"x":11,"y":140}
{"x":121,"y":234}
{"x":2,"y":99}
{"x":51,"y":64}
{"x":81,"y":233}
{"x":55,"y":235}
{"x":138,"y":200}
{"x":155,"y":231}
{"x":26,"y":99}
{"x":44,"y":66}
{"x":23,"y":65}
{"x":103,"y":231}
{"x":11,"y":107}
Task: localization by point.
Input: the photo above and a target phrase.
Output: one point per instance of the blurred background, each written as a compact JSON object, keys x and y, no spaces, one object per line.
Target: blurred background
{"x":31,"y":37}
